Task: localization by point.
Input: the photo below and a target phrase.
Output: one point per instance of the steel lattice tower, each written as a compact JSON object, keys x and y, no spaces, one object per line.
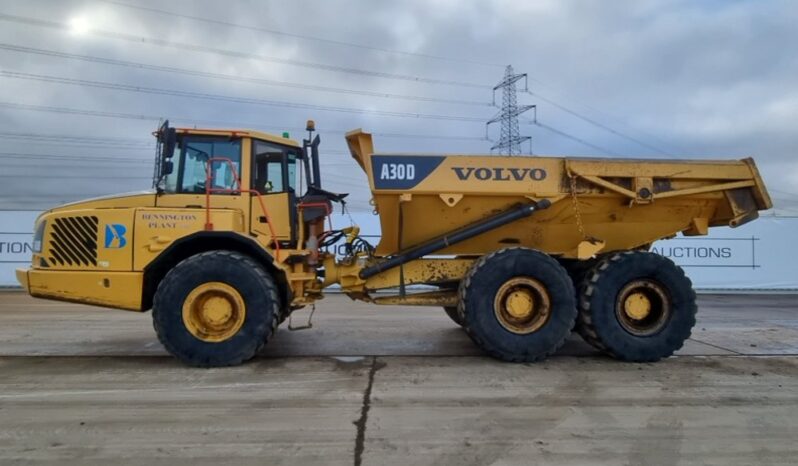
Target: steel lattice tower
{"x":509,"y":142}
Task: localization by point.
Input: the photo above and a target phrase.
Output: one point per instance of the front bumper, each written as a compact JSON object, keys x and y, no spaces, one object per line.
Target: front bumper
{"x":22,"y":278}
{"x":121,"y":290}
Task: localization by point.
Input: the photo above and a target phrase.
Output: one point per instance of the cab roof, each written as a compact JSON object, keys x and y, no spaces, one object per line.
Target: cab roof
{"x":240,"y":133}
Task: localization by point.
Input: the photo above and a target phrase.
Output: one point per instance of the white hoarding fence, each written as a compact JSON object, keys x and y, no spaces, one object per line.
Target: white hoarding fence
{"x":16,"y":243}
{"x":756,"y":256}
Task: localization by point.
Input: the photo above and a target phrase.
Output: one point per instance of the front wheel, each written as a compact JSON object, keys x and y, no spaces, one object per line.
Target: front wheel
{"x":637,"y":306}
{"x":517,"y":304}
{"x":454,"y":314}
{"x":216,"y":308}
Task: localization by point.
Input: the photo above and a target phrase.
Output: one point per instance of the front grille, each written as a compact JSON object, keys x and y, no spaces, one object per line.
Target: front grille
{"x":73,"y":241}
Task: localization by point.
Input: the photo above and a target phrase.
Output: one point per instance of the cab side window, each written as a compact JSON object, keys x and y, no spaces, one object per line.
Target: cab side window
{"x":273,"y":167}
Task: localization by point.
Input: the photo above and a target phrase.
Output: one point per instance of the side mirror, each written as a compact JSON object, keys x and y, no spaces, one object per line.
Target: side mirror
{"x":168,"y":140}
{"x":167,"y":167}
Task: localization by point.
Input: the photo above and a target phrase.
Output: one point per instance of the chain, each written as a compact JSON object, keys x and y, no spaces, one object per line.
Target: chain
{"x":579,"y":225}
{"x":302,"y":327}
{"x":349,"y":214}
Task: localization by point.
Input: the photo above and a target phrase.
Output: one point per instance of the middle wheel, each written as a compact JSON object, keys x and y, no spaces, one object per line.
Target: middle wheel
{"x":518,"y":304}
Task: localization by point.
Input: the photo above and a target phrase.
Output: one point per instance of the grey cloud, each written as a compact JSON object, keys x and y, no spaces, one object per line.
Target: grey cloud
{"x":708,"y":79}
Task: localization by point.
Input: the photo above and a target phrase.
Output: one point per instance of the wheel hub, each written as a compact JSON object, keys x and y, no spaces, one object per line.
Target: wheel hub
{"x":522,"y":305}
{"x":643,"y":307}
{"x":637,"y":305}
{"x":214,"y":312}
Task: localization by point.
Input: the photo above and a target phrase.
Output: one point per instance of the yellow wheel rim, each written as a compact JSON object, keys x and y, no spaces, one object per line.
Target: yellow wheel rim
{"x":643,"y":307}
{"x":522,"y":305}
{"x":213,"y":312}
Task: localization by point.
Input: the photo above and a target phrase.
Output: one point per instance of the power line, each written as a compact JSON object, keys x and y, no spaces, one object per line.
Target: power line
{"x":597,"y":124}
{"x":73,"y":111}
{"x":76,"y":139}
{"x":66,"y":139}
{"x":63,"y":26}
{"x":272,"y":31}
{"x":224,"y":98}
{"x":603,"y":113}
{"x":73,"y":165}
{"x":788,"y":193}
{"x":574,"y":138}
{"x":75,"y":158}
{"x":193,"y":121}
{"x":298,"y":36}
{"x":96,"y":146}
{"x":230,"y":77}
{"x":102,"y":114}
{"x":83,"y":177}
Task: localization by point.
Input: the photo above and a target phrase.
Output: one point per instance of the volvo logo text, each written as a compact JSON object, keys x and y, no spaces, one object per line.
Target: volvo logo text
{"x":500,"y":174}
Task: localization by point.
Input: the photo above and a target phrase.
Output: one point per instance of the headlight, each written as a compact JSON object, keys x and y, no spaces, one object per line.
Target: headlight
{"x":37,"y":237}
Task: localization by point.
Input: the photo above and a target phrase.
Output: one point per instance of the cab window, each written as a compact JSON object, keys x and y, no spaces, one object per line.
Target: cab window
{"x":195,"y":154}
{"x":274,"y":167}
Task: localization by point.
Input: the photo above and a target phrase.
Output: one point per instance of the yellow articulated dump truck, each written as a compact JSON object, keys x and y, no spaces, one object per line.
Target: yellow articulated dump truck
{"x":519,"y":251}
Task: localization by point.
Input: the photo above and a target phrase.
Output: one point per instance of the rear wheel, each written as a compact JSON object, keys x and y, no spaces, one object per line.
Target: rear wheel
{"x":217,"y":308}
{"x":637,"y":306}
{"x":517,"y":304}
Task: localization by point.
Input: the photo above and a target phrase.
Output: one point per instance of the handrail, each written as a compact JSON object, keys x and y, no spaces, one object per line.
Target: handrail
{"x":237,"y":179}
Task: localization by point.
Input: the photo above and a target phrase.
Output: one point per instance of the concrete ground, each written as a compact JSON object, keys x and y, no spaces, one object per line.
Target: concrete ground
{"x":393,"y":385}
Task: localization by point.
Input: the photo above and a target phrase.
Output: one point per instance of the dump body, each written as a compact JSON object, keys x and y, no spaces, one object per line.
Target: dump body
{"x":597,"y":205}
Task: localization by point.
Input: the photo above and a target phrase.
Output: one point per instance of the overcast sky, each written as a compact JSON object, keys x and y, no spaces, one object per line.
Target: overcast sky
{"x":636,"y":78}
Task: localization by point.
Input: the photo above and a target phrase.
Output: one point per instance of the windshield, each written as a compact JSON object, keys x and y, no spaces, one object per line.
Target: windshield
{"x":193,"y":153}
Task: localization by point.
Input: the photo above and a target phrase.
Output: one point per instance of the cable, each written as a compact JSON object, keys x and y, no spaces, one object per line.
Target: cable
{"x":597,"y":124}
{"x":604,"y":114}
{"x":89,"y":146}
{"x":574,"y":138}
{"x":271,"y":31}
{"x":788,"y":193}
{"x":24,"y":155}
{"x":84,"y":177}
{"x":130,"y":116}
{"x":73,"y":111}
{"x":298,"y":36}
{"x":142,"y":117}
{"x":62,"y":26}
{"x":223,"y":98}
{"x":76,"y":139}
{"x":230,"y":77}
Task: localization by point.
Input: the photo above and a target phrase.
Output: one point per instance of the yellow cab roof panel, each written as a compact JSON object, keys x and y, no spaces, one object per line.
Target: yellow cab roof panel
{"x":240,"y":133}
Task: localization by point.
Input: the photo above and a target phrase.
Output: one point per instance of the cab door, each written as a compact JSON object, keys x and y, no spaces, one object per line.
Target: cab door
{"x":273,"y":208}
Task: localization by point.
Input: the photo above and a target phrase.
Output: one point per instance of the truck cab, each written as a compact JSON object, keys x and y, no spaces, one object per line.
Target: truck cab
{"x":239,"y":190}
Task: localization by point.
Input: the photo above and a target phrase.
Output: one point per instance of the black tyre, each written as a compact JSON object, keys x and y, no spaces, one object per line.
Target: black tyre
{"x":517,"y":304}
{"x":216,"y":308}
{"x":454,"y":314}
{"x":578,"y":270}
{"x":637,"y":306}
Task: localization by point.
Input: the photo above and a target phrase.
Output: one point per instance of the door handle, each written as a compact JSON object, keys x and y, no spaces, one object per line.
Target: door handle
{"x":263,"y":219}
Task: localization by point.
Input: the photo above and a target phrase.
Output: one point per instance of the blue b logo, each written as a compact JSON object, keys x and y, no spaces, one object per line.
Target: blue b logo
{"x":115,"y":236}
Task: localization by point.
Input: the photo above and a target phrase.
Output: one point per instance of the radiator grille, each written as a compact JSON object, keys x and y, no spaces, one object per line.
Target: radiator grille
{"x":73,"y":241}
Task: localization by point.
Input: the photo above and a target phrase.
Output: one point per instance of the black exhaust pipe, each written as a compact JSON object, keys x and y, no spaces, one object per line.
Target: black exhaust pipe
{"x":457,"y":236}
